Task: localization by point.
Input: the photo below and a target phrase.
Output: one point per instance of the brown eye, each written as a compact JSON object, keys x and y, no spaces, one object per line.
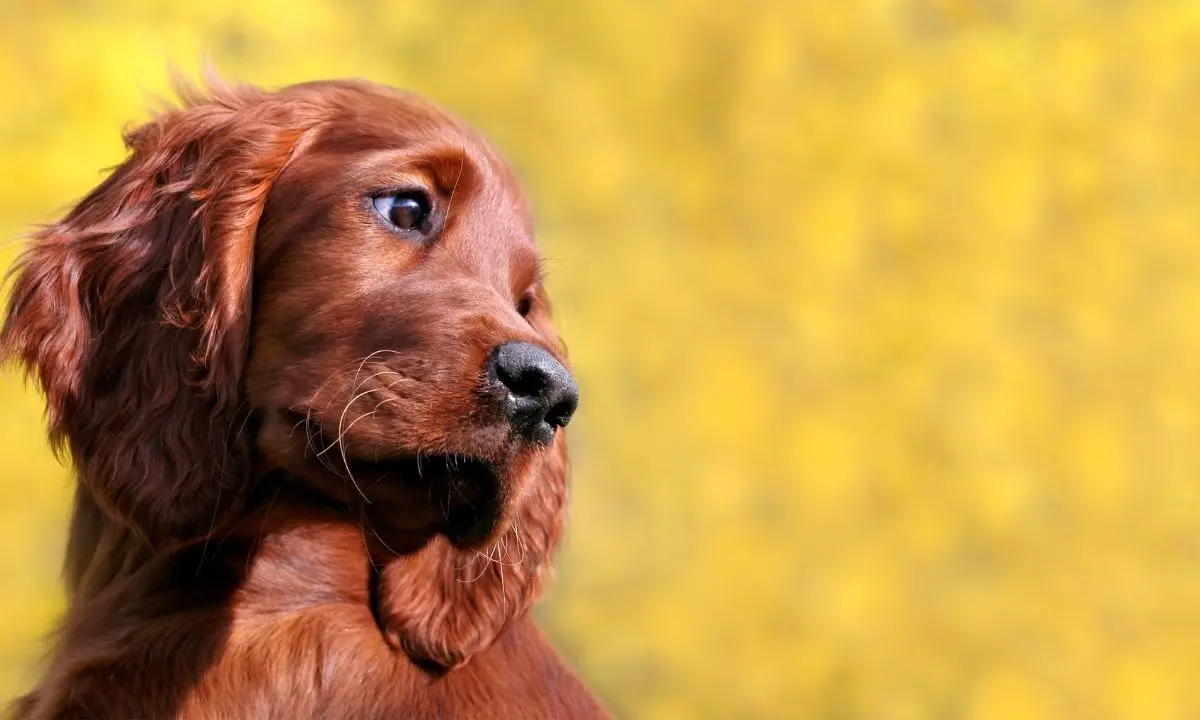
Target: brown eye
{"x":404,"y":211}
{"x":525,"y":305}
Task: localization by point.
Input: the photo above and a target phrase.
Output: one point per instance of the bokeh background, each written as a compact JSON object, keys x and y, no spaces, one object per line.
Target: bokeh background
{"x":886,"y":314}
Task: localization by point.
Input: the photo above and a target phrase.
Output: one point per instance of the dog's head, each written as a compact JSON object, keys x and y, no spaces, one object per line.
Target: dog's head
{"x":401,"y":355}
{"x":334,"y":283}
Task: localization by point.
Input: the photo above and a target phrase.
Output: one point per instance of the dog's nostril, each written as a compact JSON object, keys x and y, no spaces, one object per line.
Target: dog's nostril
{"x":561,"y":413}
{"x":542,"y":394}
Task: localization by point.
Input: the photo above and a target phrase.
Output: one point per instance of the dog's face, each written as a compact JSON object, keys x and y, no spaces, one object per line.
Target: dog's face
{"x":401,"y":356}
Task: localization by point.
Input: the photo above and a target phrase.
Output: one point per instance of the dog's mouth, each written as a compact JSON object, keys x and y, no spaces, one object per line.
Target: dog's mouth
{"x":467,"y":494}
{"x":460,"y":495}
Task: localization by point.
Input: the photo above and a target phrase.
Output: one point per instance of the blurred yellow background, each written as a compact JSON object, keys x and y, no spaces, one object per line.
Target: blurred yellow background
{"x":885,"y":315}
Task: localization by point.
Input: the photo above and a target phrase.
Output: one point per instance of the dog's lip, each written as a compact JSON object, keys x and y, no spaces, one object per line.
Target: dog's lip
{"x":381,"y":457}
{"x":431,"y":466}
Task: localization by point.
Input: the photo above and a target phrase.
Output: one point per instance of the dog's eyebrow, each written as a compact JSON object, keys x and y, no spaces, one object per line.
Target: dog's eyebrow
{"x":528,"y":269}
{"x":444,"y":166}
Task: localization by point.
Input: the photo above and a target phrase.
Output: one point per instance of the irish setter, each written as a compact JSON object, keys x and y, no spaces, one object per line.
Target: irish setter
{"x":298,"y":350}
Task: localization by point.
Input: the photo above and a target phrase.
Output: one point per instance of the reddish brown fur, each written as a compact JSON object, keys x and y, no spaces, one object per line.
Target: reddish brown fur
{"x":246,"y":367}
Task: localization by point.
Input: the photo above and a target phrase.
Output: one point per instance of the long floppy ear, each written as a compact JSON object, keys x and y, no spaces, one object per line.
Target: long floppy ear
{"x":133,"y":314}
{"x":443,"y":605}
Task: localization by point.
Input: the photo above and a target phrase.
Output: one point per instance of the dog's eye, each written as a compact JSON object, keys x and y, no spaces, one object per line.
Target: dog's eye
{"x":407,"y":211}
{"x":525,"y":305}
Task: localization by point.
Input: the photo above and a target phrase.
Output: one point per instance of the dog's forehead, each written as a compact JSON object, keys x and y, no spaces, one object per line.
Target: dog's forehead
{"x":372,"y":124}
{"x":360,"y":117}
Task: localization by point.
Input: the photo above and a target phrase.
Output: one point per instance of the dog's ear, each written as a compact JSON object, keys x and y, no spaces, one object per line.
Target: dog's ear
{"x":443,"y":604}
{"x":133,"y":313}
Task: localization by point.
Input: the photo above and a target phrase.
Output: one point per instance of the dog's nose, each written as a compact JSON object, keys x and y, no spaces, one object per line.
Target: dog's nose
{"x":541,"y":393}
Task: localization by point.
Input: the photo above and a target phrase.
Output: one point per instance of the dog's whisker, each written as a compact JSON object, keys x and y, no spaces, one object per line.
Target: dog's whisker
{"x":342,"y":431}
{"x":368,"y":414}
{"x":367,"y":525}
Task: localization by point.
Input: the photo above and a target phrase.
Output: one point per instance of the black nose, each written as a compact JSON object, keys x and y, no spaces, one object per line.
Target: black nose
{"x":541,"y":393}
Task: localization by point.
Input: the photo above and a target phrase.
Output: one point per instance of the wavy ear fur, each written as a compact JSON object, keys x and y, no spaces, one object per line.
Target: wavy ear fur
{"x":133,"y":311}
{"x":443,"y":604}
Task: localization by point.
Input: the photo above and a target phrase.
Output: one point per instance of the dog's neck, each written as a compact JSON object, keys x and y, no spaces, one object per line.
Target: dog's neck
{"x":281,"y":516}
{"x":293,"y":549}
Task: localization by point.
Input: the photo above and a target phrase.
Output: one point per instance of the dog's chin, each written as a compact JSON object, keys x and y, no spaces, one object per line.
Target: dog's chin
{"x":469,"y":493}
{"x":462,"y":497}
